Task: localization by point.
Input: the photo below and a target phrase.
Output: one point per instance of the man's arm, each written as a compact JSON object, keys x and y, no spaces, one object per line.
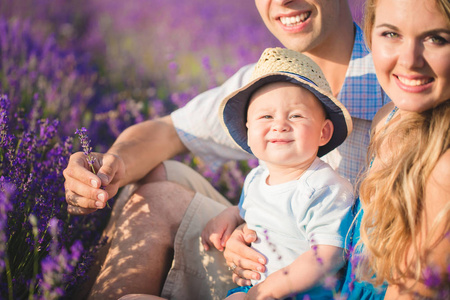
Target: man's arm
{"x":143,"y":146}
{"x":135,"y":153}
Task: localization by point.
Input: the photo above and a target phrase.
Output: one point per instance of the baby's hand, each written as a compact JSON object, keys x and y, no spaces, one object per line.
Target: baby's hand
{"x":219,"y":228}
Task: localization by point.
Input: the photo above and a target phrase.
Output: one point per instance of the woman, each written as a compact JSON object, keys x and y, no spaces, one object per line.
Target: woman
{"x":405,"y":195}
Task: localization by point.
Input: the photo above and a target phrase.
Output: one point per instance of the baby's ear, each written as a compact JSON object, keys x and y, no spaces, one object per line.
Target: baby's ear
{"x":327,"y":132}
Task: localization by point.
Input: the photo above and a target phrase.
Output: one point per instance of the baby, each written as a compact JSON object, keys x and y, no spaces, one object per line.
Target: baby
{"x":298,"y":205}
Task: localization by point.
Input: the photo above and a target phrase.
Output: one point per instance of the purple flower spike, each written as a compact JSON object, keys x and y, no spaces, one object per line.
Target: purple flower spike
{"x":6,"y":192}
{"x":432,"y":277}
{"x":330,"y":282}
{"x":87,"y":149}
{"x":85,"y":144}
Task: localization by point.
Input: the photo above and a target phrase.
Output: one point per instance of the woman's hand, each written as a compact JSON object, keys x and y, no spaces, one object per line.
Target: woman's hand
{"x":245,"y":262}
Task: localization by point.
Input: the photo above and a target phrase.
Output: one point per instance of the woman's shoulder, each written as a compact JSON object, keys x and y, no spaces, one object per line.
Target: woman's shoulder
{"x":436,"y":226}
{"x":437,"y":194}
{"x":440,"y":174}
{"x":381,"y":115}
{"x":443,"y":164}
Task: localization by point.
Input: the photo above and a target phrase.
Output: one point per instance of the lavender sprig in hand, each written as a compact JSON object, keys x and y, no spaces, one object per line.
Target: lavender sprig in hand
{"x":87,"y":149}
{"x":86,"y":145}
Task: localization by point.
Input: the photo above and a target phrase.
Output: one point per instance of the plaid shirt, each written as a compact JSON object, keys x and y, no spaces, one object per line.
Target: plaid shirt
{"x":199,"y":128}
{"x":361,"y":93}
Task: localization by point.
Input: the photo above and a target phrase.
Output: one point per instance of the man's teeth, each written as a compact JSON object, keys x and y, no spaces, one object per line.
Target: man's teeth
{"x":292,"y":21}
{"x":413,"y":82}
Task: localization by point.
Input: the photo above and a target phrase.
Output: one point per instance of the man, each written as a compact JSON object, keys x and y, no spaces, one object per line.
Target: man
{"x":154,"y":234}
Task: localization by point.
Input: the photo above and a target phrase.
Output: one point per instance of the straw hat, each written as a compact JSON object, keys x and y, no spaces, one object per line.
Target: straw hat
{"x":280,"y":64}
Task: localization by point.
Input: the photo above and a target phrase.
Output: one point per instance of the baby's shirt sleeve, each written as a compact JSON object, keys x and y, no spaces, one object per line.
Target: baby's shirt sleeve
{"x":328,"y":219}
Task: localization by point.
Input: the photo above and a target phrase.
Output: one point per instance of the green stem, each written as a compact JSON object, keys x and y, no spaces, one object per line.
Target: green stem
{"x":9,"y":278}
{"x":35,"y":263}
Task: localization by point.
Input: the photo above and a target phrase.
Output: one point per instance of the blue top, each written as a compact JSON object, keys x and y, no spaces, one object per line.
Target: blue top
{"x":353,"y":289}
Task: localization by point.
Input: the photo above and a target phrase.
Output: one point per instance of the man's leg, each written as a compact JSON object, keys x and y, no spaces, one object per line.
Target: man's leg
{"x":196,"y":273}
{"x":157,"y":174}
{"x":173,"y":171}
{"x":141,"y":248}
{"x":210,"y":274}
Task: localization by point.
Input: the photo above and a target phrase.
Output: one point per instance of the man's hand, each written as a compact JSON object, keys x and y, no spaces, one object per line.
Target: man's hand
{"x":85,"y":191}
{"x":246,"y":262}
{"x":219,"y":228}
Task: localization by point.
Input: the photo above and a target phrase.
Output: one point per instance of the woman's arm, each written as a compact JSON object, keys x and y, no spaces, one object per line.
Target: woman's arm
{"x":238,"y":252}
{"x":436,"y":211}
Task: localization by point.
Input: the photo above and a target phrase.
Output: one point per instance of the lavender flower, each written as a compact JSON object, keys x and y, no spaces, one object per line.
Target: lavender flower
{"x":432,"y":276}
{"x":330,"y":282}
{"x":87,"y":149}
{"x":6,"y":192}
{"x":58,"y":264}
{"x":437,"y":280}
{"x":31,"y":184}
{"x":4,"y":106}
{"x":315,"y":248}
{"x":38,"y":75}
{"x":354,"y":257}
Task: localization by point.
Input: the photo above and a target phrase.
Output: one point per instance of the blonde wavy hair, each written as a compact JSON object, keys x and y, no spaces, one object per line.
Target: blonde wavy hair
{"x":393,"y":195}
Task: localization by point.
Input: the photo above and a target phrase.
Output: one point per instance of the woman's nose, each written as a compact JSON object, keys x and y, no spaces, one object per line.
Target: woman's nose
{"x":410,"y":55}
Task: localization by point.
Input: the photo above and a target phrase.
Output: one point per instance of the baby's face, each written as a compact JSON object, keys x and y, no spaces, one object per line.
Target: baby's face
{"x":286,"y":124}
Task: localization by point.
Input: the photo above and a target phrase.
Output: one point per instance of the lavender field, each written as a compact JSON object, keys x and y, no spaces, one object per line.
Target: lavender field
{"x":103,"y":65}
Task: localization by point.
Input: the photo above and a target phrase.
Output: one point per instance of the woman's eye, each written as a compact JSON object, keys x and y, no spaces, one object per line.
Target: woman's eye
{"x":438,"y":40}
{"x":389,"y":34}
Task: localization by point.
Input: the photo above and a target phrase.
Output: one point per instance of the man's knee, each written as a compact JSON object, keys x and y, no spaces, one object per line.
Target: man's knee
{"x":169,"y":170}
{"x":156,"y":175}
{"x":164,"y":200}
